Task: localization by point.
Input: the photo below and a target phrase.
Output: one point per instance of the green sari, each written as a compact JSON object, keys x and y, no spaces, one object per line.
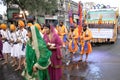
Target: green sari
{"x":37,"y":54}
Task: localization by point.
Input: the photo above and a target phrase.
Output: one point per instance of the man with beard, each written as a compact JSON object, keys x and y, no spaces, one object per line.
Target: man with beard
{"x":62,"y":32}
{"x":85,"y":37}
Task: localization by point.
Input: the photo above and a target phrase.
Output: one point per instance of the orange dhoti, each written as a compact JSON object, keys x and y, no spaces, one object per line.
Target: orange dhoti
{"x":70,"y":46}
{"x":86,"y":48}
{"x":86,"y":36}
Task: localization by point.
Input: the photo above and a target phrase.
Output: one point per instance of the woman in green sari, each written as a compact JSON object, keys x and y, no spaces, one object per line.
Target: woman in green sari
{"x":37,"y":57}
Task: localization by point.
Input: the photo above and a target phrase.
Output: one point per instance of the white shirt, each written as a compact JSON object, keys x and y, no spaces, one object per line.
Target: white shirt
{"x":14,"y":36}
{"x":23,"y":35}
{"x":6,"y":34}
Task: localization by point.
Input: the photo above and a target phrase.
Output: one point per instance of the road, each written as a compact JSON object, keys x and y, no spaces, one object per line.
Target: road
{"x":103,"y":64}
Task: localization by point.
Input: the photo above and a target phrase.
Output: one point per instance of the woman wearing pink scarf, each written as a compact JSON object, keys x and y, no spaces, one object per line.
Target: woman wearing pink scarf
{"x":54,"y":43}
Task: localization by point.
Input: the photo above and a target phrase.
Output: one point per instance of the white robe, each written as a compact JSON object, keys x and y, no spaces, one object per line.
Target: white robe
{"x":23,"y":38}
{"x":15,"y":47}
{"x":6,"y":45}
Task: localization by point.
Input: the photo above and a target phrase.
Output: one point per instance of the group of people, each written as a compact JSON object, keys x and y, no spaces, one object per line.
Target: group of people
{"x":76,"y":40}
{"x":39,"y":49}
{"x":13,"y":40}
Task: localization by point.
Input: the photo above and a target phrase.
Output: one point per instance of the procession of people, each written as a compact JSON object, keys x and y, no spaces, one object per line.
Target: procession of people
{"x":38,"y":48}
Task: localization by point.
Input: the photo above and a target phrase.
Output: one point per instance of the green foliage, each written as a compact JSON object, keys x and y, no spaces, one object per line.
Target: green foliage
{"x":39,"y":6}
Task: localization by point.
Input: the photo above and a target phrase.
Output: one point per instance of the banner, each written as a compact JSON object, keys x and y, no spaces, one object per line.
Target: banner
{"x":102,"y":33}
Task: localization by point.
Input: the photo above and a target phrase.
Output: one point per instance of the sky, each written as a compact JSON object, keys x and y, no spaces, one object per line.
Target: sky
{"x":112,"y":3}
{"x":2,"y":8}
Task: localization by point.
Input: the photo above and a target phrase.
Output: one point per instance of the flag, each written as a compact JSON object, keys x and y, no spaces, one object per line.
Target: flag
{"x":70,"y":13}
{"x":80,"y":18}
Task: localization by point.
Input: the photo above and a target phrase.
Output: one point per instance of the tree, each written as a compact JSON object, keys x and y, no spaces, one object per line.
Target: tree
{"x":35,"y":6}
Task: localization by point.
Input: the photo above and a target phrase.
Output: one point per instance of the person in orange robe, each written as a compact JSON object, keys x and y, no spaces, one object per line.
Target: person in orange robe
{"x":85,"y":38}
{"x":76,"y":32}
{"x":75,"y":36}
{"x":72,"y":45}
{"x":62,"y":32}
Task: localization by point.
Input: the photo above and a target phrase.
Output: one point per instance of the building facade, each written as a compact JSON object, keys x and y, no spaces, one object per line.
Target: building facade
{"x":62,"y":12}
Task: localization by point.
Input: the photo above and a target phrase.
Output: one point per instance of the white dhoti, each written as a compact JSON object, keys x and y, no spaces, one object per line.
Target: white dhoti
{"x":15,"y":50}
{"x":12,"y":51}
{"x":21,"y":52}
{"x":6,"y":48}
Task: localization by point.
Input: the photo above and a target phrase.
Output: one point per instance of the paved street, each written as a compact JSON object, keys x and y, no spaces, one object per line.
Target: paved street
{"x":103,"y":64}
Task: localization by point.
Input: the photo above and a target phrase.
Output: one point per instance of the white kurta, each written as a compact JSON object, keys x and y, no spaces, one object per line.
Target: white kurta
{"x":23,"y":37}
{"x":15,"y":47}
{"x":6,"y":45}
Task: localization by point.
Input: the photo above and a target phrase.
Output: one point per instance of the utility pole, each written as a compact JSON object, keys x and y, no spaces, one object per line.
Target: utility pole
{"x":24,"y":15}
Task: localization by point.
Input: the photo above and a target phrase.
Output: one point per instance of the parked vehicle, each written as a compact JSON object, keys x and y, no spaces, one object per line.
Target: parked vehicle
{"x":104,"y":24}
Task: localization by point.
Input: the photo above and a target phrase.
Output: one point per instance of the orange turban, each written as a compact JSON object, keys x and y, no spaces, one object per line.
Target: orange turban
{"x":0,"y":27}
{"x":21,"y":23}
{"x":38,"y":26}
{"x":12,"y":27}
{"x":3,"y":26}
{"x":29,"y":24}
